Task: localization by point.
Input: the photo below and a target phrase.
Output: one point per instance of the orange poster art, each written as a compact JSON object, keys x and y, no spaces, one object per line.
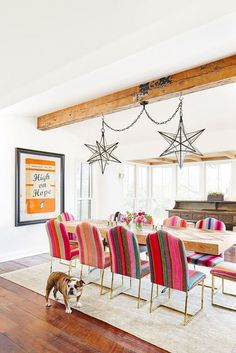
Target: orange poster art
{"x":40,"y":186}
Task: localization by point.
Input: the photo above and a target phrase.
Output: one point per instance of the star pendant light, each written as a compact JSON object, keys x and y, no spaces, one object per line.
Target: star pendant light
{"x":102,"y":152}
{"x":181,"y":143}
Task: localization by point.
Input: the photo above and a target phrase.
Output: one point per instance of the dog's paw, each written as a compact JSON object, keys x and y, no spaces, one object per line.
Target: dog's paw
{"x":68,"y":310}
{"x":48,"y":304}
{"x":79,"y":305}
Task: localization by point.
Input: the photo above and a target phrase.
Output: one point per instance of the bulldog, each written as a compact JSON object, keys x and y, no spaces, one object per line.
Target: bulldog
{"x":68,"y":286}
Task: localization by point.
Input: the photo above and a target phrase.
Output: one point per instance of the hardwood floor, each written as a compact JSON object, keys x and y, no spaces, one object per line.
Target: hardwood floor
{"x":27,"y":326}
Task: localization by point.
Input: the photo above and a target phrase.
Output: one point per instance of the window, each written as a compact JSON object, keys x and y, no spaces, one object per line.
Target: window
{"x":129,"y":188}
{"x":135,"y":187}
{"x":189,"y":186}
{"x":218,"y":178}
{"x":83,"y":190}
{"x":163,"y":189}
{"x":142,"y":192}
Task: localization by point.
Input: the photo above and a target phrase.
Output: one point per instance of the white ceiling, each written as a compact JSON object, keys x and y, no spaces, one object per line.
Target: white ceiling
{"x":74,"y":50}
{"x":58,"y":53}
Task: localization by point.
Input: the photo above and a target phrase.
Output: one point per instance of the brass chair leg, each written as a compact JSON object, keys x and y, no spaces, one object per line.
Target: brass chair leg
{"x":186,"y":309}
{"x":157,"y":290}
{"x":122,"y":280}
{"x":169,"y":293}
{"x":223,"y":285}
{"x":69,"y":270}
{"x":112,"y":283}
{"x":151,"y":299}
{"x":202,"y":298}
{"x":139,"y":291}
{"x":212,"y":289}
{"x":51,"y":265}
{"x":81,"y":272}
{"x":130,"y":282}
{"x":102,"y":281}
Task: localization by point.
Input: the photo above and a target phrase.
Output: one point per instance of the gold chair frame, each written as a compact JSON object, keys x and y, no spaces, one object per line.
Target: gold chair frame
{"x":187,"y":316}
{"x":213,"y":292}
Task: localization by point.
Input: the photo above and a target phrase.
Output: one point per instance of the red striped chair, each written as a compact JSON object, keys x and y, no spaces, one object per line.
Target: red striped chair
{"x":169,"y":267}
{"x":175,"y":222}
{"x":226,"y":271}
{"x":206,"y":260}
{"x":59,"y":243}
{"x":66,"y":216}
{"x":125,"y":256}
{"x":92,"y":252}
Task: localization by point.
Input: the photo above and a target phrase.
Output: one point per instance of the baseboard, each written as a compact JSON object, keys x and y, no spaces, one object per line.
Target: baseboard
{"x":19,"y":254}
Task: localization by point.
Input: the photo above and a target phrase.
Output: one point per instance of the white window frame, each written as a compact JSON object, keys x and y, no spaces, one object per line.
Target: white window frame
{"x":90,"y":197}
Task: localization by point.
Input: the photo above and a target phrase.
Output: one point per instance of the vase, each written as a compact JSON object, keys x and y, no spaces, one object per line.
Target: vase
{"x":139,"y":226}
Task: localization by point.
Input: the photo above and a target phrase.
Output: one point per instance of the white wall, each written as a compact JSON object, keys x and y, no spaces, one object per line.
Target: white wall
{"x":21,"y":132}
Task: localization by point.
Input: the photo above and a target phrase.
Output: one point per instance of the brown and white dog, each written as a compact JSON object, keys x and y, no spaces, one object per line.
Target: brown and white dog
{"x":68,"y":286}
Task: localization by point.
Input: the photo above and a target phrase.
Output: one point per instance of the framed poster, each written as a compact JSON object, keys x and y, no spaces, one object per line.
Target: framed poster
{"x":39,"y":186}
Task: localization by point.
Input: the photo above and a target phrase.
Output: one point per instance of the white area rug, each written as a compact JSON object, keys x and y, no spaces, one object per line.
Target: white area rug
{"x":214,"y":330}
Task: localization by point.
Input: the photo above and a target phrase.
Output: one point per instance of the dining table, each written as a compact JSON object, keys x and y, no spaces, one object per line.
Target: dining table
{"x":201,"y":241}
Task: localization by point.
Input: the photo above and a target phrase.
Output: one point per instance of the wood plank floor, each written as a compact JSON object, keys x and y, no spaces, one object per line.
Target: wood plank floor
{"x":27,"y":326}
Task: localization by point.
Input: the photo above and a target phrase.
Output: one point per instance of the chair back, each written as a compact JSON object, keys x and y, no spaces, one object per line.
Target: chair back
{"x":168,"y":262}
{"x":91,"y":245}
{"x":175,"y":222}
{"x":211,"y":223}
{"x":125,"y":256}
{"x":66,"y":216}
{"x":58,"y":239}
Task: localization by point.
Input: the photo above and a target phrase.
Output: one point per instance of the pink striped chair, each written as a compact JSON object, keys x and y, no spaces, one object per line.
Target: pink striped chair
{"x":226,"y":271}
{"x":59,"y":243}
{"x":175,"y":222}
{"x":66,"y":216}
{"x":205,"y":259}
{"x":125,"y":256}
{"x":169,"y":267}
{"x":92,"y":251}
{"x":211,"y":223}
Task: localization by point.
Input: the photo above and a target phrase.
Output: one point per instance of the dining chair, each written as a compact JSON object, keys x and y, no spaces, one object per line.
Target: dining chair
{"x":169,"y":268}
{"x":211,"y":223}
{"x":92,"y":251}
{"x":66,"y":216}
{"x":59,"y":243}
{"x":175,"y":222}
{"x":125,"y":257}
{"x":226,"y":271}
{"x":206,"y":260}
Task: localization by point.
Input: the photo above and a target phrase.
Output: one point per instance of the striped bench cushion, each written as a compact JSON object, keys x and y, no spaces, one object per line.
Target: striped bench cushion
{"x":227,"y":269}
{"x":204,"y":259}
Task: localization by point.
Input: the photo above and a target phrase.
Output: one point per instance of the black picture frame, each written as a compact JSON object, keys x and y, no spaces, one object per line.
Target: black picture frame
{"x":18,"y":168}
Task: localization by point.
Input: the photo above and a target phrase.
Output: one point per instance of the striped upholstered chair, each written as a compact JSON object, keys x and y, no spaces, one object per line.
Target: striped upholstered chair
{"x":92,"y":251}
{"x":211,"y":224}
{"x":226,"y":271}
{"x":169,"y":267}
{"x":125,"y":256}
{"x":66,"y":216}
{"x":59,"y":243}
{"x":175,"y":222}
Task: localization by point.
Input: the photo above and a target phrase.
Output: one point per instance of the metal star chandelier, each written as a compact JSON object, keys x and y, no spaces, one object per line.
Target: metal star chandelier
{"x":181,"y":142}
{"x":102,"y":152}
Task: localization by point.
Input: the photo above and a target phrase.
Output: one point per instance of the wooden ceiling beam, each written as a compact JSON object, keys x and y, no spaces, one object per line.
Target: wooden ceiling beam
{"x":199,"y":78}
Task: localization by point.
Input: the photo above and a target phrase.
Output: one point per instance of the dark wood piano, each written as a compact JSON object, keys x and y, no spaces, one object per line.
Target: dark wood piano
{"x":195,"y":210}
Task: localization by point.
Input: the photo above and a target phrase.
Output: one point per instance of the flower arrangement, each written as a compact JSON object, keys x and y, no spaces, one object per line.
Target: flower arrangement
{"x":138,"y":218}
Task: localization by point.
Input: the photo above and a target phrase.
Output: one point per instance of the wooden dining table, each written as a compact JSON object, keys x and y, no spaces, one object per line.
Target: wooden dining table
{"x":205,"y":242}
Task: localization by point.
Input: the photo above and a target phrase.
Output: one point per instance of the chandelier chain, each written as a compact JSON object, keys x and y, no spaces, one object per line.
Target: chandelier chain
{"x":127,"y":127}
{"x":148,"y":115}
{"x":167,"y":120}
